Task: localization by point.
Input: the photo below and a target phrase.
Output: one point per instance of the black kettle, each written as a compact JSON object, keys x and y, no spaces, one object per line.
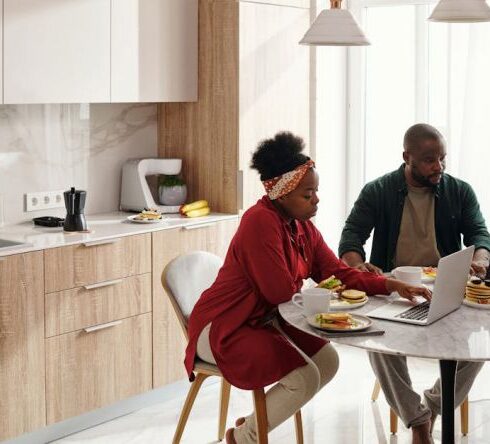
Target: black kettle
{"x":75,"y":204}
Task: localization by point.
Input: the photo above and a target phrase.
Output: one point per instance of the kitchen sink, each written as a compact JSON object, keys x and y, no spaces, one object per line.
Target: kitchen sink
{"x":8,"y":244}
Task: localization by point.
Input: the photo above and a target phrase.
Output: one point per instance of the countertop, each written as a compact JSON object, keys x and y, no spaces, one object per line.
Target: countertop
{"x":100,"y":226}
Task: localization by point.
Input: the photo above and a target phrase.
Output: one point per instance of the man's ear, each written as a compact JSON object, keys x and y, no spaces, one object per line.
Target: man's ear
{"x":406,"y":157}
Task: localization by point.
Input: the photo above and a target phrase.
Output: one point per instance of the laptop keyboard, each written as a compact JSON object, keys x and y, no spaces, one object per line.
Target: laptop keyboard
{"x":419,"y":312}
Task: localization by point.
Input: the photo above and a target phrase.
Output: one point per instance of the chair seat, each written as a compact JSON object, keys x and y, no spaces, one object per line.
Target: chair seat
{"x":207,"y":368}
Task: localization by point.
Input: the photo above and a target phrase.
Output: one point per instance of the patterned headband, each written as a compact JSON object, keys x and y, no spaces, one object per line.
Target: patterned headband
{"x":285,"y":183}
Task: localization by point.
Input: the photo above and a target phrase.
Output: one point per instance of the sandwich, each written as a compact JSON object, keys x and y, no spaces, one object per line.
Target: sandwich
{"x":337,"y":321}
{"x":353,"y":296}
{"x":332,"y":284}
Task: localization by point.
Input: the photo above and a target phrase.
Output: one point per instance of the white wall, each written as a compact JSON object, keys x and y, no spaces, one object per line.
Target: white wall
{"x":54,"y":147}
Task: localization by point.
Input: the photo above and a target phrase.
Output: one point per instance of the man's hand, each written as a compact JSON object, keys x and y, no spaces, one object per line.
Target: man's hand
{"x":479,"y":268}
{"x":408,"y":291}
{"x":366,"y":266}
{"x":480,"y":263}
{"x":355,"y":260}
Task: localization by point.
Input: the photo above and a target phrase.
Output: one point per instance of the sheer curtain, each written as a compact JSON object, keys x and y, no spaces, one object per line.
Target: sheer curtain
{"x":469,"y":119}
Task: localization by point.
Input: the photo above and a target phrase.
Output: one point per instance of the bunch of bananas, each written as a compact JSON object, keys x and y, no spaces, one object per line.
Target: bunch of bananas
{"x":195,"y":209}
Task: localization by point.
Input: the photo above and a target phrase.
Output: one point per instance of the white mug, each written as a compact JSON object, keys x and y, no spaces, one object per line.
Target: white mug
{"x":409,"y":275}
{"x":313,"y":300}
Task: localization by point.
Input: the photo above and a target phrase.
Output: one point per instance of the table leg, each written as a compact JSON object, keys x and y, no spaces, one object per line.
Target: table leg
{"x":448,"y":373}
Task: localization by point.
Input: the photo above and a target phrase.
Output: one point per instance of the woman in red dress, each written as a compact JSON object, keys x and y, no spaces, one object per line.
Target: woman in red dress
{"x":235,"y":324}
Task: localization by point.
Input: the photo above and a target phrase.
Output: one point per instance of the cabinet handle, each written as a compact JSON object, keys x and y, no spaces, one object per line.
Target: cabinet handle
{"x":102,"y":326}
{"x":101,"y":242}
{"x":102,"y":284}
{"x":195,"y":226}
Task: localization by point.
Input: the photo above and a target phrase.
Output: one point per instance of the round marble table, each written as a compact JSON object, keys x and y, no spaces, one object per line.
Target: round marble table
{"x":463,"y":335}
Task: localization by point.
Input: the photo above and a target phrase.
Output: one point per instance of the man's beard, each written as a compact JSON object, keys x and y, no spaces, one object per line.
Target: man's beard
{"x":423,"y":180}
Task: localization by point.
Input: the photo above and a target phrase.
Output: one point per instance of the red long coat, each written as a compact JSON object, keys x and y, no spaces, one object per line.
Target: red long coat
{"x":265,"y":265}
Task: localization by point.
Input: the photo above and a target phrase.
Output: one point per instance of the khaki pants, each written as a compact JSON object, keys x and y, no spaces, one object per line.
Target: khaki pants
{"x":290,"y":393}
{"x":393,"y":376}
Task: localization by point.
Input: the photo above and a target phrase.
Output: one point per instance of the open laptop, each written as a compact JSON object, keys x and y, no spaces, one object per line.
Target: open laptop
{"x":448,"y":294}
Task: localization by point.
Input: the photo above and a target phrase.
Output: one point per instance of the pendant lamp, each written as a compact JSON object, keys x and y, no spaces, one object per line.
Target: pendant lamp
{"x":335,"y":27}
{"x":461,"y":11}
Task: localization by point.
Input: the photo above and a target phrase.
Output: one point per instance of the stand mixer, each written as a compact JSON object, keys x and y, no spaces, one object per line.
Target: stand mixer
{"x":135,"y":192}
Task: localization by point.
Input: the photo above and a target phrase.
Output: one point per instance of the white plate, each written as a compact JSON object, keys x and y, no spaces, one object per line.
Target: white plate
{"x":363,"y":323}
{"x":475,"y":305}
{"x":147,"y":221}
{"x":424,"y":279}
{"x":338,"y":304}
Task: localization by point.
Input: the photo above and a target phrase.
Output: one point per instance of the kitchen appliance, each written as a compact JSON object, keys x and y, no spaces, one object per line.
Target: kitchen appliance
{"x":75,"y":204}
{"x":135,"y":191}
{"x":48,"y":221}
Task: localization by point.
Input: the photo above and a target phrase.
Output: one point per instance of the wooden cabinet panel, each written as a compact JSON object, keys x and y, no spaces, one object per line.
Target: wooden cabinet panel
{"x":168,"y":340}
{"x":154,"y":51}
{"x":77,"y":308}
{"x":22,"y":402}
{"x":78,"y":265}
{"x":85,"y":371}
{"x":56,"y":51}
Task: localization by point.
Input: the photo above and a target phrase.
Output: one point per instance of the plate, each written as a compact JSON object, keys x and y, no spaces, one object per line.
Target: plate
{"x":338,"y":304}
{"x":147,"y":221}
{"x":475,"y":305}
{"x":363,"y":323}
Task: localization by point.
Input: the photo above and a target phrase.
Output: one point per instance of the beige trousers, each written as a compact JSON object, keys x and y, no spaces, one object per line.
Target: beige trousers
{"x":393,"y":376}
{"x":290,"y":393}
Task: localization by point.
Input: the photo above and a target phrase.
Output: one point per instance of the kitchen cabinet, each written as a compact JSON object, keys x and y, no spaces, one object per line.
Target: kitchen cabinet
{"x":254,"y":81}
{"x":168,"y":341}
{"x":92,"y":368}
{"x":154,"y":50}
{"x":22,"y":374}
{"x":56,"y":51}
{"x":94,"y":262}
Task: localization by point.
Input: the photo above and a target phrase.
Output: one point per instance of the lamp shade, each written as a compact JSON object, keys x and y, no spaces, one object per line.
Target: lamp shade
{"x":461,"y":11}
{"x":335,"y":27}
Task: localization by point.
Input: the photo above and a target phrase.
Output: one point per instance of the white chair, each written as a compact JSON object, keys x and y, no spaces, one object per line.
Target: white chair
{"x":184,"y":279}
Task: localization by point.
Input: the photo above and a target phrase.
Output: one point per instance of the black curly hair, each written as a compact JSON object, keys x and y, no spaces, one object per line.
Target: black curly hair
{"x":278,"y":155}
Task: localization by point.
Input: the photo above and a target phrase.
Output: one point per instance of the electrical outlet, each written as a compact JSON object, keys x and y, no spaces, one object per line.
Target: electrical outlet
{"x":44,"y":200}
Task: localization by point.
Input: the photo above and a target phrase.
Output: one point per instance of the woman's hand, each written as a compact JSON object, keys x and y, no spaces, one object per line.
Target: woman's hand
{"x":408,"y":291}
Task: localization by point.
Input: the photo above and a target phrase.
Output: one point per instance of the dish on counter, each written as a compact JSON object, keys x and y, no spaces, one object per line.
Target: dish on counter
{"x":146,"y":217}
{"x":339,"y":321}
{"x":341,"y":304}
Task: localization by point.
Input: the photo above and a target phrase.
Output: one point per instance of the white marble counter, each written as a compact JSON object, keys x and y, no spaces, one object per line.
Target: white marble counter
{"x":101,"y":226}
{"x":462,"y":335}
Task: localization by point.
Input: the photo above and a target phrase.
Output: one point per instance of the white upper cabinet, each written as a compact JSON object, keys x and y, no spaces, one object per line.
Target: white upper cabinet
{"x":56,"y":51}
{"x":89,"y":51}
{"x":154,"y":50}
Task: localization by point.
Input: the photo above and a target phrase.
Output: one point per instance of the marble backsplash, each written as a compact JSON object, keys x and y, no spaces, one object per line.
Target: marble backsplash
{"x":56,"y":146}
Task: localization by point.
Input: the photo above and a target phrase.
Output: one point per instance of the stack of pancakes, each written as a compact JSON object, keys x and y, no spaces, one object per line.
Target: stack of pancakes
{"x":477,"y":291}
{"x":354,"y":296}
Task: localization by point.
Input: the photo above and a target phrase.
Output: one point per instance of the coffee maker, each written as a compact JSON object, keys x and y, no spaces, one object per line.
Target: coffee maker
{"x":75,"y":203}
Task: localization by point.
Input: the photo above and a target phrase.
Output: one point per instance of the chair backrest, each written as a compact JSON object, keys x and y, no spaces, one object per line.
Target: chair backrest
{"x":186,"y":277}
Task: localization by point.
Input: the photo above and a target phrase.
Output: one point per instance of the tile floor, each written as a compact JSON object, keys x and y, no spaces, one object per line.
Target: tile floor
{"x":341,"y":413}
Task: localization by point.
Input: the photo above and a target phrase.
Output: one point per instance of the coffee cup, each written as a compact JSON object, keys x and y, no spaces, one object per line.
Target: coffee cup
{"x":313,"y":300}
{"x":408,"y":274}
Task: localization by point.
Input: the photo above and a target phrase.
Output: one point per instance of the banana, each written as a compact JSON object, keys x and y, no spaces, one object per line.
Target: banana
{"x":199,"y":212}
{"x":184,"y":209}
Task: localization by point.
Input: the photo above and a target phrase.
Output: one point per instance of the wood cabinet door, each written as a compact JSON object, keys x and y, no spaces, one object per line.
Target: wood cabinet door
{"x":22,"y":370}
{"x":98,"y":261}
{"x":56,"y":51}
{"x":154,"y":50}
{"x":168,"y":340}
{"x":89,"y":370}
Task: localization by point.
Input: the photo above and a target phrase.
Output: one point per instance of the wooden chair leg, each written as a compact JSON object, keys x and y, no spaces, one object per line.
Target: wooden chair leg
{"x":189,"y":401}
{"x":376,"y":389}
{"x":393,"y":422}
{"x":260,"y":416}
{"x":298,"y":423}
{"x":223,"y":407}
{"x":464,"y":411}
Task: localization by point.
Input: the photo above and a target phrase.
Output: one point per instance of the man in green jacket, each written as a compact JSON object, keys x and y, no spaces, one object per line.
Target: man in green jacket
{"x":419,"y":214}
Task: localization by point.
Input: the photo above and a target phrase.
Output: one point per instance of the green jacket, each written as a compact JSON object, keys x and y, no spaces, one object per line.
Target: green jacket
{"x":380,"y":206}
